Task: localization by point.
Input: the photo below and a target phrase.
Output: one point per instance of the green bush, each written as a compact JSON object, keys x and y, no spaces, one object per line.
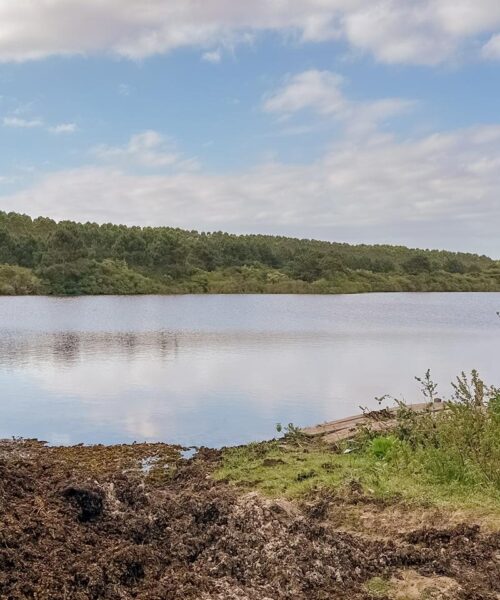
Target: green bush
{"x":18,"y":281}
{"x":382,"y":446}
{"x":460,"y":444}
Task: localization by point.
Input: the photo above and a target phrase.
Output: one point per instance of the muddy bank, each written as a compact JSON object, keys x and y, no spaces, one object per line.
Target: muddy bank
{"x":141,"y":522}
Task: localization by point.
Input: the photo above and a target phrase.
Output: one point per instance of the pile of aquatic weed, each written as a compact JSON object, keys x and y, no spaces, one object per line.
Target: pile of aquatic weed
{"x":140,"y":522}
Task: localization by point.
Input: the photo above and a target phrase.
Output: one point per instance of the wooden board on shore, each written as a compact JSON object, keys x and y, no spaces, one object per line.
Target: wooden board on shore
{"x":379,"y":420}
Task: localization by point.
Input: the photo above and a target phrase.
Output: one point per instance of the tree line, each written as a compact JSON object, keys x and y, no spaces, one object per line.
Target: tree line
{"x":41,"y":256}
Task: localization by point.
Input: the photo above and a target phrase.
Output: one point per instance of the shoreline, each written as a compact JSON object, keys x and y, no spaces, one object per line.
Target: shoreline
{"x":254,"y":293}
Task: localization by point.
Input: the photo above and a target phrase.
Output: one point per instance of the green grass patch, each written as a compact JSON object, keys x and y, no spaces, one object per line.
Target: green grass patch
{"x":278,"y":468}
{"x":378,"y":587}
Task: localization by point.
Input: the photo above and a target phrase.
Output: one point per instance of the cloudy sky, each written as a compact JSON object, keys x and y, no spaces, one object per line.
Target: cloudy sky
{"x":349,"y":120}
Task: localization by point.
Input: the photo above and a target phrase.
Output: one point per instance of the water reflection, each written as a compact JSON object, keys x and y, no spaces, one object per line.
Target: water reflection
{"x":209,"y":374}
{"x":69,"y":347}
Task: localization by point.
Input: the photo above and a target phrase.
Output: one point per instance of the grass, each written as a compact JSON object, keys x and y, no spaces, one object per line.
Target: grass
{"x":377,"y":586}
{"x":450,"y":458}
{"x":285,"y":469}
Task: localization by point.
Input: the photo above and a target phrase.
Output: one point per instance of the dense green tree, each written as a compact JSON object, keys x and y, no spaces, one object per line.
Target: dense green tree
{"x":307,"y":265}
{"x":454,"y":265}
{"x":6,"y":245}
{"x":330,"y":264}
{"x":167,"y":254}
{"x":131,"y":247}
{"x":65,"y":245}
{"x":420,"y":263}
{"x":73,"y":258}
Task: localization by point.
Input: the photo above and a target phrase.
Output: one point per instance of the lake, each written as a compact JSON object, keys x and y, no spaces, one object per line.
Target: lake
{"x":220,"y":370}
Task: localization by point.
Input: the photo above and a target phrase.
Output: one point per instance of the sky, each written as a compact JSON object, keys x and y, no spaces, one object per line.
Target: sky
{"x":361,"y":121}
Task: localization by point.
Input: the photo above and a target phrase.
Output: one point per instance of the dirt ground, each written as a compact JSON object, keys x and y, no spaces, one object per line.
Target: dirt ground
{"x":142,"y":522}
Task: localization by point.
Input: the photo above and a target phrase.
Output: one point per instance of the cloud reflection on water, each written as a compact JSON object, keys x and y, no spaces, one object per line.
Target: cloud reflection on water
{"x":229,"y":385}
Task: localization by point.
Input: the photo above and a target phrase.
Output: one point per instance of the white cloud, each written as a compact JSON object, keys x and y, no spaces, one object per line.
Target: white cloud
{"x":368,"y":185}
{"x":318,"y":90}
{"x":63,"y":128}
{"x":321,"y":92}
{"x":491,"y":49}
{"x":147,"y":149}
{"x":22,"y":123}
{"x":213,"y":56}
{"x":440,"y":187}
{"x":124,"y":89}
{"x":37,"y":123}
{"x":393,"y":31}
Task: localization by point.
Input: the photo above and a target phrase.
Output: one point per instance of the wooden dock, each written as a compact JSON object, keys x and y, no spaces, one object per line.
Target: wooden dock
{"x":378,"y":420}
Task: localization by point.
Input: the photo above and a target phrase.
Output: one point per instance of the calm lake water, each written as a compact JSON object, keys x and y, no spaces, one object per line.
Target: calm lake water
{"x":219,"y":370}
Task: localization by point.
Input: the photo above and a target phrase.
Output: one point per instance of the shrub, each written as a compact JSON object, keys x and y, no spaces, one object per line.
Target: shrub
{"x":460,"y":444}
{"x":381,"y":446}
{"x":18,"y":281}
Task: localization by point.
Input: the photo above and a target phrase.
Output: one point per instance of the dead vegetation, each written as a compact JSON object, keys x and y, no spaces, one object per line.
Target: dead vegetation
{"x":140,"y":522}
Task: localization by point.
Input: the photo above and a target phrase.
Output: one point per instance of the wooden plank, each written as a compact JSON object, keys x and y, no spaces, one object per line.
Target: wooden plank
{"x":347,"y":427}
